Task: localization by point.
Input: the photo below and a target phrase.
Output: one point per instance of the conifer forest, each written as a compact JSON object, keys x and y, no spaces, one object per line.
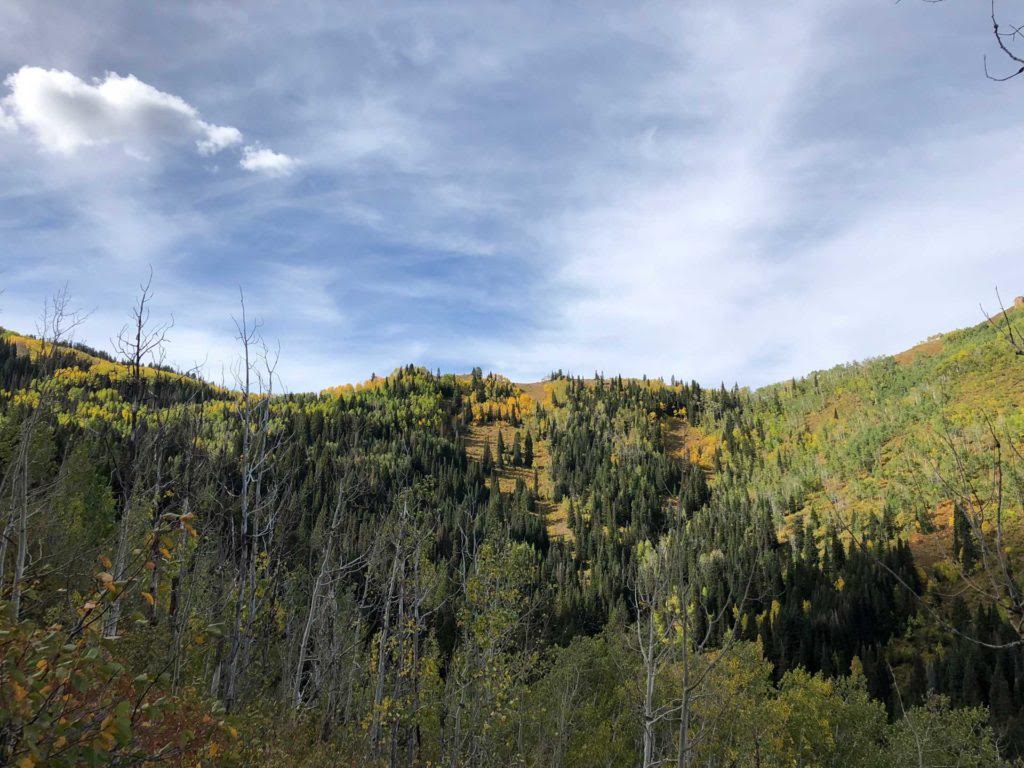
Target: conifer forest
{"x":457,"y":570}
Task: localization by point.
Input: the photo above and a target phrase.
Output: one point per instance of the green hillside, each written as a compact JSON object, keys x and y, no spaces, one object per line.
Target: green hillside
{"x":457,"y":570}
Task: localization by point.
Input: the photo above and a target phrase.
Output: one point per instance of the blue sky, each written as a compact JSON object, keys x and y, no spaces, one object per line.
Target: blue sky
{"x":716,"y":190}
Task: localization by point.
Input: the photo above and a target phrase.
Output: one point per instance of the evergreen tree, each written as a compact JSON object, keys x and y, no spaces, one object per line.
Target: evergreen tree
{"x":487,"y":462}
{"x":971,"y":688}
{"x":965,"y":548}
{"x":1000,"y":701}
{"x":918,"y":688}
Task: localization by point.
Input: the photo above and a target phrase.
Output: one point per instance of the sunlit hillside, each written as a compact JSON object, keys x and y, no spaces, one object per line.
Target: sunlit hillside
{"x":432,"y":569}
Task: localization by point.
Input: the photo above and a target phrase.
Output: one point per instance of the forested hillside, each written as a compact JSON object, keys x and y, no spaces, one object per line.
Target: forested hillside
{"x":456,"y":570}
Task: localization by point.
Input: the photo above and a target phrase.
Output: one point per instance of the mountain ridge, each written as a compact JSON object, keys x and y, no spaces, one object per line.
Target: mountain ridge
{"x":444,"y":568}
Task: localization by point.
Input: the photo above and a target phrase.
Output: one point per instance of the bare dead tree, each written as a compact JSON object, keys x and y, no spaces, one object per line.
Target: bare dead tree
{"x":140,"y":344}
{"x":348,"y":486}
{"x":1005,"y":36}
{"x":980,"y":499}
{"x":195,"y":473}
{"x":1004,"y":40}
{"x":982,"y":503}
{"x":651,"y":590}
{"x":259,"y":498}
{"x":406,"y":584}
{"x":694,"y":646}
{"x":1005,"y":326}
{"x":567,"y":705}
{"x":676,"y":628}
{"x":56,"y":326}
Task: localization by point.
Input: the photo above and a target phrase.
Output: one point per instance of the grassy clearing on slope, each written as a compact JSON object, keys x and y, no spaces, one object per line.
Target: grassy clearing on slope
{"x":682,"y":439}
{"x":480,"y":435}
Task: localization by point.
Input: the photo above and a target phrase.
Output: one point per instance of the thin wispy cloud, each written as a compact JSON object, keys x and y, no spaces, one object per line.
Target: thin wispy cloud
{"x":716,"y":191}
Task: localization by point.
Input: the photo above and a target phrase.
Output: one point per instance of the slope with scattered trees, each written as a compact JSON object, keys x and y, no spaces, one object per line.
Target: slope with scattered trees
{"x":432,"y":569}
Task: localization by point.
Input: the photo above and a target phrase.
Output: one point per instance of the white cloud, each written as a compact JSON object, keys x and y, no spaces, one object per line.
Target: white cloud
{"x":262,"y":160}
{"x":218,"y":137}
{"x":65,"y":113}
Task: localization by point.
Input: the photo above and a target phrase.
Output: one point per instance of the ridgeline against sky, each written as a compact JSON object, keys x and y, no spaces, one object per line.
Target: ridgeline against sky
{"x":716,"y":190}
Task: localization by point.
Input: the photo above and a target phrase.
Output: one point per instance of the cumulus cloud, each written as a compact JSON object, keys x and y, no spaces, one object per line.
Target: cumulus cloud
{"x":65,"y":114}
{"x":262,"y":160}
{"x":218,"y":137}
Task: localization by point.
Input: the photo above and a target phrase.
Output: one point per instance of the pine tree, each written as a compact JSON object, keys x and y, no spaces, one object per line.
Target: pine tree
{"x":918,"y":689}
{"x":965,"y":548}
{"x":500,"y":461}
{"x":517,"y":451}
{"x":971,"y":689}
{"x":487,"y":463}
{"x":799,"y":532}
{"x":999,"y":700}
{"x":810,"y":551}
{"x":838,"y":553}
{"x":528,"y":450}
